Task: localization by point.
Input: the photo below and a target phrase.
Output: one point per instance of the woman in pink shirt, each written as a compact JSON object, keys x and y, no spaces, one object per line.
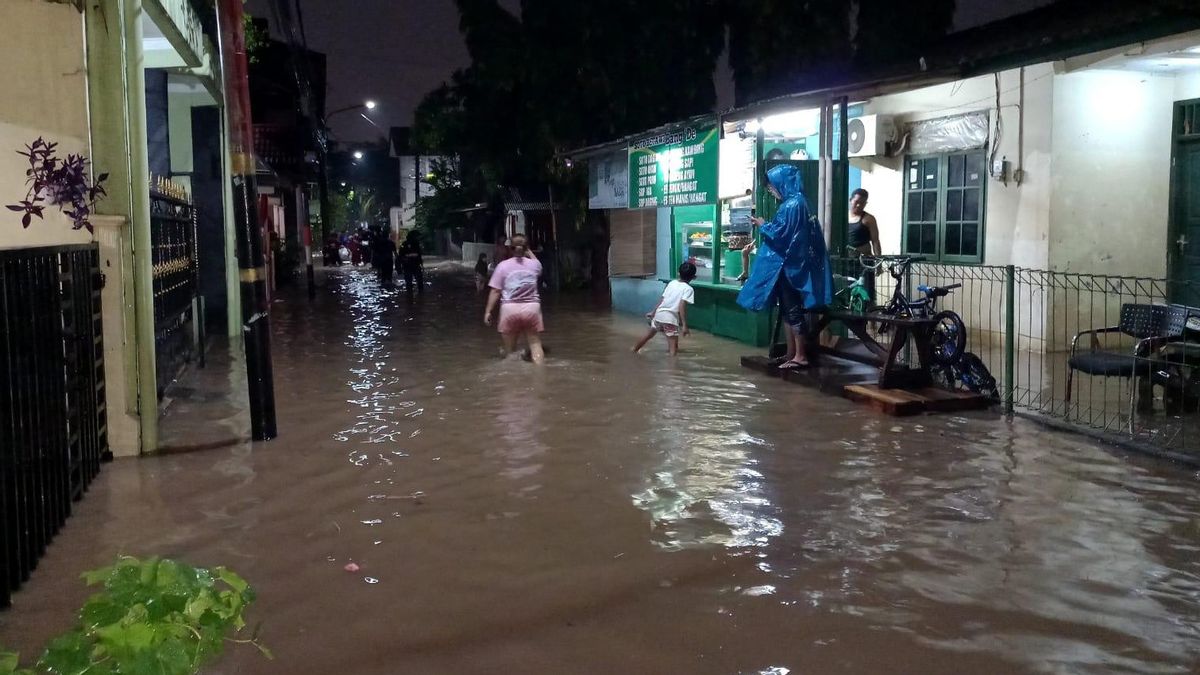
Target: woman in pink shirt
{"x":514,"y":285}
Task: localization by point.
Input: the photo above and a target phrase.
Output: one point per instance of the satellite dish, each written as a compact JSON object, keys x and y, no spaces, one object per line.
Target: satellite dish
{"x":858,"y":135}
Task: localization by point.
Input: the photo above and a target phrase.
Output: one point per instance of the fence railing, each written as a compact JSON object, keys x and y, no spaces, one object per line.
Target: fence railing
{"x":53,"y":423}
{"x":1023,"y":324}
{"x":173,"y":242}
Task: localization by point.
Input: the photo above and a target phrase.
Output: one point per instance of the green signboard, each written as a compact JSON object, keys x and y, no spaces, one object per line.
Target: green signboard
{"x":678,"y":168}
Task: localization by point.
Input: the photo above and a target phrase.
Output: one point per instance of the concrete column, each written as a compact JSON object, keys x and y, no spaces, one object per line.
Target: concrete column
{"x":143,"y":263}
{"x":233,"y":282}
{"x":116,"y":261}
{"x":108,"y":110}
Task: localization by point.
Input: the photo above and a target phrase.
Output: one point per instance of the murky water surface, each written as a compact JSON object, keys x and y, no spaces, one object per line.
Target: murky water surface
{"x":618,"y":514}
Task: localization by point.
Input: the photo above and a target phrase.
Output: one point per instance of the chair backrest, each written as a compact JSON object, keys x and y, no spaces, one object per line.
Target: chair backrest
{"x":1145,"y":320}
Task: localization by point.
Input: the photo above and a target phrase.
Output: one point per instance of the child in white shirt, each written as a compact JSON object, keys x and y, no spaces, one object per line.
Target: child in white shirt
{"x":669,"y":316}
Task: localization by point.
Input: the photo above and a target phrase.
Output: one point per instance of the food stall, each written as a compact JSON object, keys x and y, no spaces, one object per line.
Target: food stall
{"x":699,"y":182}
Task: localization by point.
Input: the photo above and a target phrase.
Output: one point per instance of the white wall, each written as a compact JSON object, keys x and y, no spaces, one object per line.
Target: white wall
{"x":1112,"y":149}
{"x":1187,"y":86}
{"x":43,"y":92}
{"x":1017,"y":216}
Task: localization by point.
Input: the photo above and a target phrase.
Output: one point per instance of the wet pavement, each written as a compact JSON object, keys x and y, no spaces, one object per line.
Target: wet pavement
{"x":611,"y":513}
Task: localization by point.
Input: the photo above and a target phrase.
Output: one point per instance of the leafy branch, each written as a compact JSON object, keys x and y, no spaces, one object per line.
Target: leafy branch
{"x":64,"y":183}
{"x":151,"y":616}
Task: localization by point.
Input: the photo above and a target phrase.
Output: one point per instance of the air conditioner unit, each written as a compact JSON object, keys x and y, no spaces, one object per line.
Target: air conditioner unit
{"x":870,"y":134}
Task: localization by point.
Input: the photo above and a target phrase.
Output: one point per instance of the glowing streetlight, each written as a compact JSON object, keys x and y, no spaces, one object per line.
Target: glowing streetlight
{"x":358,"y":154}
{"x":368,"y":104}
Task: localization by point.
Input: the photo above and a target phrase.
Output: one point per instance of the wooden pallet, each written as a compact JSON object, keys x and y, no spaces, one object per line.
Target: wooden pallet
{"x":903,"y":402}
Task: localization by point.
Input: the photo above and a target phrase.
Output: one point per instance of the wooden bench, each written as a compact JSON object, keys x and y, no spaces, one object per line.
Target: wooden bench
{"x":891,"y":374}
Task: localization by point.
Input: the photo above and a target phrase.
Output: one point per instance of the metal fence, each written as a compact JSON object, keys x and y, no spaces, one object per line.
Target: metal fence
{"x":1023,"y":324}
{"x":173,"y":244}
{"x":53,"y":424}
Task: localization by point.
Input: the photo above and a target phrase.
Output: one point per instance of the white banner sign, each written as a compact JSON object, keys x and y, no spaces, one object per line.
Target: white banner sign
{"x":608,"y":181}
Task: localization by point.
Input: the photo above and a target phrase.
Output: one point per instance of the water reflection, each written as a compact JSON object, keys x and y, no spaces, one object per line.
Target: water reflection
{"x":705,"y":488}
{"x":704,"y":519}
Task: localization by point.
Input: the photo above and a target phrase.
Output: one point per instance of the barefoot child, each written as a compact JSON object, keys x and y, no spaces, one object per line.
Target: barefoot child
{"x":669,"y":316}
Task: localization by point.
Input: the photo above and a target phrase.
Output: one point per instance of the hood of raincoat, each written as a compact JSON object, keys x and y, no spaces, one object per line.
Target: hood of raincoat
{"x":785,"y":178}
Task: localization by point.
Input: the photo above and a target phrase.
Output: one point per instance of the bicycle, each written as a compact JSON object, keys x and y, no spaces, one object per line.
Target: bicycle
{"x":949,"y":332}
{"x":855,"y":297}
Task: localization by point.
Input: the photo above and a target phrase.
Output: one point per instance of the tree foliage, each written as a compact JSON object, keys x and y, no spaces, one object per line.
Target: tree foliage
{"x":570,"y":74}
{"x":151,"y":617}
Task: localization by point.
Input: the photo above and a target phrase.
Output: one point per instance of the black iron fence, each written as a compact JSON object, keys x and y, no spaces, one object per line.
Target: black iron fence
{"x":173,"y":242}
{"x":53,"y":424}
{"x":1117,"y":356}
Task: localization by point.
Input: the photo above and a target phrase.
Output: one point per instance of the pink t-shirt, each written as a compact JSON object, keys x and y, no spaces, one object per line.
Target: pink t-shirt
{"x":517,"y":280}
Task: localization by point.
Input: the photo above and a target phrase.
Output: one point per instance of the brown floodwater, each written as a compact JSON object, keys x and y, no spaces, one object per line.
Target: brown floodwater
{"x":611,"y":513}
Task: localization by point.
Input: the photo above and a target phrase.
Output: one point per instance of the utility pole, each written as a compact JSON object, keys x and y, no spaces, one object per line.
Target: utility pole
{"x":256,"y":323}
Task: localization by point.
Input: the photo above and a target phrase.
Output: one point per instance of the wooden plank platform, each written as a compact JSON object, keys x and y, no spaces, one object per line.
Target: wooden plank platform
{"x":829,"y":375}
{"x":902,"y":402}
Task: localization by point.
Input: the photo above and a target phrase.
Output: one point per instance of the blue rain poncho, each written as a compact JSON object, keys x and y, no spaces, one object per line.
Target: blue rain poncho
{"x":792,"y":250}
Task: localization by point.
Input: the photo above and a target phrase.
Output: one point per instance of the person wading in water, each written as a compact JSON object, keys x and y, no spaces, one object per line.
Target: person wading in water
{"x":514,"y":285}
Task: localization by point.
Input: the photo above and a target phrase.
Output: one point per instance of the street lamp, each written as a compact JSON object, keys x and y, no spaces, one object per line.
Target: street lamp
{"x":358,"y":154}
{"x":368,"y":104}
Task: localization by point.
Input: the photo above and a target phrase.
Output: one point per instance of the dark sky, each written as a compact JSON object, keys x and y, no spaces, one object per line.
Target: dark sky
{"x":394,"y":51}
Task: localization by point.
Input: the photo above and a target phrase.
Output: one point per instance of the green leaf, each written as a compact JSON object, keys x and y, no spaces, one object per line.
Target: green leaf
{"x":127,"y":637}
{"x":69,"y":654}
{"x":9,"y":662}
{"x":100,"y":610}
{"x":229,"y":577}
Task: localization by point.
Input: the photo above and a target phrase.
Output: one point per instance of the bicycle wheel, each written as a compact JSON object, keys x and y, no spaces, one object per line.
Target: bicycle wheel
{"x":949,"y":338}
{"x":977,"y":377}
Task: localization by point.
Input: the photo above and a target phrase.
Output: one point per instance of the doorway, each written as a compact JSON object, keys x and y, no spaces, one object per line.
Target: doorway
{"x":1184,"y":249}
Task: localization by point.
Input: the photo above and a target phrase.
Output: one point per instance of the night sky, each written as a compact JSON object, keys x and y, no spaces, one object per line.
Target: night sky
{"x":395,"y":51}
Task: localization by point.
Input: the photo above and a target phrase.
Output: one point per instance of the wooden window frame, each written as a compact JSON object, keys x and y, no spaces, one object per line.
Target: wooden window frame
{"x":941,"y":190}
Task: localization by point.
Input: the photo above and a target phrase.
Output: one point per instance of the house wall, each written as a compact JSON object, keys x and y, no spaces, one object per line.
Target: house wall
{"x":1112,"y":149}
{"x":1017,"y":216}
{"x":1187,"y":87}
{"x":44,"y":94}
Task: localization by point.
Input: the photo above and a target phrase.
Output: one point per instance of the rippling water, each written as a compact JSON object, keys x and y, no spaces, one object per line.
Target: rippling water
{"x":611,"y":513}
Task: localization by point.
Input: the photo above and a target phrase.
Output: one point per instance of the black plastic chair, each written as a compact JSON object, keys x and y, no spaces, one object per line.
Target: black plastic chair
{"x":1153,"y":326}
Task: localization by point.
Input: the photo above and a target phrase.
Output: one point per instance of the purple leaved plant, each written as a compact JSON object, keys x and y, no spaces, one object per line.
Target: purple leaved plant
{"x":60,"y":182}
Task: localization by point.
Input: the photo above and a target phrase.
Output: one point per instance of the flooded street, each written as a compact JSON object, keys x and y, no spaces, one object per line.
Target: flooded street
{"x":611,"y":513}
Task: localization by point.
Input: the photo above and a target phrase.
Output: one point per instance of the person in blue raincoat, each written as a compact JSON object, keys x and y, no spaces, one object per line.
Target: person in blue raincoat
{"x":792,"y":267}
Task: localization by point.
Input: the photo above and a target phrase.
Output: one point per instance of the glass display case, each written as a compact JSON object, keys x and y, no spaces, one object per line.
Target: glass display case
{"x":698,"y":244}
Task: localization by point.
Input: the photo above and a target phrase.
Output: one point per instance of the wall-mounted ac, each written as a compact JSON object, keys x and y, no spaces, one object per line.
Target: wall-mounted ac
{"x":870,"y":134}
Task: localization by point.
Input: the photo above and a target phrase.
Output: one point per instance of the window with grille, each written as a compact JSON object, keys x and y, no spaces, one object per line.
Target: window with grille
{"x":944,"y":200}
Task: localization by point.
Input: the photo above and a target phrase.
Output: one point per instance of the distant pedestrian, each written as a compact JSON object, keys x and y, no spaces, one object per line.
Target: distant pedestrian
{"x":355,"y":244}
{"x":481,"y":272}
{"x":669,"y":316}
{"x":412,"y":262}
{"x":514,"y":285}
{"x":383,"y":257}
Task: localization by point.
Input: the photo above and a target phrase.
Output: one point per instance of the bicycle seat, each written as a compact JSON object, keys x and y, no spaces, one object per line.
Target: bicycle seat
{"x":938,"y":291}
